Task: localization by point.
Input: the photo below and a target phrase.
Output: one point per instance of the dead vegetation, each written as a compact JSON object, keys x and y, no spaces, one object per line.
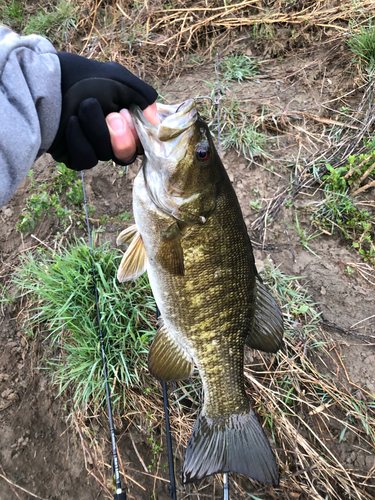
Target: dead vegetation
{"x":312,"y":413}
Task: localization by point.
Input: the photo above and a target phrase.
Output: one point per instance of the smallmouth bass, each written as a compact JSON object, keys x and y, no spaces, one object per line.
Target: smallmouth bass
{"x":190,"y":236}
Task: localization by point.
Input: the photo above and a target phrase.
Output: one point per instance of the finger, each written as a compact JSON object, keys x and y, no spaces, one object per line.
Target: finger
{"x":92,"y":121}
{"x":122,"y":139}
{"x":82,"y":154}
{"x":151,"y":114}
{"x":129,"y":120}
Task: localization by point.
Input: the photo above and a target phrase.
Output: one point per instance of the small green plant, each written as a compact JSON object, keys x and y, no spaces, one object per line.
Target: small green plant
{"x":61,"y":289}
{"x":255,"y":205}
{"x":53,"y":24}
{"x":338,"y":210}
{"x":362,"y":45}
{"x":334,"y":179}
{"x":239,"y":67}
{"x":12,"y":14}
{"x":47,"y":200}
{"x":305,"y":238}
{"x":5,"y":297}
{"x":237,"y":130}
{"x":156,"y":449}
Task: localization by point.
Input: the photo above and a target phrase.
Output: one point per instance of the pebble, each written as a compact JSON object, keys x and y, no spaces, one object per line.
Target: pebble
{"x":8,"y":212}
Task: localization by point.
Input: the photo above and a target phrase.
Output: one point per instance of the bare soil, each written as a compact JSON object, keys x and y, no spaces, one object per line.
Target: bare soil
{"x":40,"y":450}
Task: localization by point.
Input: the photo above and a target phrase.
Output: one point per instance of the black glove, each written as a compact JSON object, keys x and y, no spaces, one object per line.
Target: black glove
{"x":90,"y":91}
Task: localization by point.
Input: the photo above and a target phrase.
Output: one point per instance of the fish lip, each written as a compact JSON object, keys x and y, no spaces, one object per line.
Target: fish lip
{"x":174,"y":120}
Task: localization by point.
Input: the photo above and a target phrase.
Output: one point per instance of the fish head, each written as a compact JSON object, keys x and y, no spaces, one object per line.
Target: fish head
{"x":180,"y":161}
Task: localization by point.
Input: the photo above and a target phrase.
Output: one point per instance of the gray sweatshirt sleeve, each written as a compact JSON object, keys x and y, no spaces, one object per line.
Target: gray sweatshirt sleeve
{"x":30,"y":105}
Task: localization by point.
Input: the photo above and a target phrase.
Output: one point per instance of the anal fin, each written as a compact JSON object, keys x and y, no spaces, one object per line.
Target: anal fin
{"x":166,"y":360}
{"x":134,"y":260}
{"x":266,"y":333}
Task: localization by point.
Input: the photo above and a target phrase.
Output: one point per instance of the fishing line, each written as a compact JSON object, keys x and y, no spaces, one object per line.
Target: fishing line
{"x":225,"y":475}
{"x":119,"y":495}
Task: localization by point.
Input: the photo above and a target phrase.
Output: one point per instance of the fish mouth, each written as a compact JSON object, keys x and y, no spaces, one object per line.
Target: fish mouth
{"x":174,"y":120}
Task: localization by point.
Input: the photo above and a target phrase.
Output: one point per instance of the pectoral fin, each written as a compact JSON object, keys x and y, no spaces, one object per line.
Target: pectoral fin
{"x":267,"y":328}
{"x":134,"y":261}
{"x":170,"y":254}
{"x":166,"y":360}
{"x":127,"y":235}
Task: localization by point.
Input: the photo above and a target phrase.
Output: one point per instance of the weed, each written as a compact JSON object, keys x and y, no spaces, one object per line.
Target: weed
{"x":61,"y":19}
{"x":237,"y":130}
{"x":338,"y":211}
{"x":304,"y":237}
{"x":12,"y":14}
{"x":61,"y":290}
{"x":255,"y":205}
{"x":239,"y":67}
{"x":362,"y":45}
{"x":47,"y":200}
{"x":156,"y":448}
{"x":5,"y":297}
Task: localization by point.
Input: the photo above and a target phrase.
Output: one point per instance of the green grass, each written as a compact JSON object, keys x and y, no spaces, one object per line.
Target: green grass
{"x":362,"y":45}
{"x":236,"y":128}
{"x":305,"y":238}
{"x":47,"y":200}
{"x":62,"y":303}
{"x":12,"y":14}
{"x":338,"y":211}
{"x":60,"y":19}
{"x":239,"y":67}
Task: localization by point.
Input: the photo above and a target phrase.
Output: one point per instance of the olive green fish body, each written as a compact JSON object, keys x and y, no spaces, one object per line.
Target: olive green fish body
{"x":208,"y":309}
{"x":191,"y":238}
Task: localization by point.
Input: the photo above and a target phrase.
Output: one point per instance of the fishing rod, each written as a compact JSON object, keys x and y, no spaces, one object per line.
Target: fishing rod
{"x":120,"y":494}
{"x":172,"y":485}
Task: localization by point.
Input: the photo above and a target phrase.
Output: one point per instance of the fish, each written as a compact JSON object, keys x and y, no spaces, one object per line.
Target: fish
{"x":190,"y":236}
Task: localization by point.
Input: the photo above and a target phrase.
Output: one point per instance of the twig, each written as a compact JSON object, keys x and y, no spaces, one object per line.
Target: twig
{"x":20,"y":488}
{"x":137,"y":453}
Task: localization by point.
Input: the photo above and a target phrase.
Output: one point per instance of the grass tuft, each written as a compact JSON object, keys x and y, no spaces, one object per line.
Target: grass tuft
{"x":239,"y":67}
{"x":61,"y":19}
{"x":12,"y":14}
{"x":61,"y":292}
{"x":338,"y":211}
{"x":362,"y":45}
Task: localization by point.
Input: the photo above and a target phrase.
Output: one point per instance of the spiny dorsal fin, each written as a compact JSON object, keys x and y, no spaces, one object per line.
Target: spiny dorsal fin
{"x":127,"y":235}
{"x":134,"y":261}
{"x":170,"y":253}
{"x":166,"y":360}
{"x":266,"y":333}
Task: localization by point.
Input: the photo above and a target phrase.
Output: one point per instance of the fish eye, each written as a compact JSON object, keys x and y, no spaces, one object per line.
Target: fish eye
{"x":202,"y":153}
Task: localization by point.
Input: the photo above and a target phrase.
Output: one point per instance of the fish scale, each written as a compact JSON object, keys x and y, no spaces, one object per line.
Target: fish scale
{"x":192,"y":239}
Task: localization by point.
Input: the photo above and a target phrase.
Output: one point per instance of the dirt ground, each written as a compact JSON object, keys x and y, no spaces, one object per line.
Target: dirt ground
{"x":40,"y":450}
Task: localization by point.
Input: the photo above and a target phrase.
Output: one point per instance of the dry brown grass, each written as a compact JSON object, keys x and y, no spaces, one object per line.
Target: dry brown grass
{"x":163,"y":33}
{"x":304,"y":397}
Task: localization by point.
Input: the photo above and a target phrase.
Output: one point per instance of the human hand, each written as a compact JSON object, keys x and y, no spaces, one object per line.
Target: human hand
{"x":91,"y":91}
{"x":124,"y":137}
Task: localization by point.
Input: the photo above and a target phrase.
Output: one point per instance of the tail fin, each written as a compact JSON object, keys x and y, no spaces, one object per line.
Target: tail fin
{"x":229,"y":444}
